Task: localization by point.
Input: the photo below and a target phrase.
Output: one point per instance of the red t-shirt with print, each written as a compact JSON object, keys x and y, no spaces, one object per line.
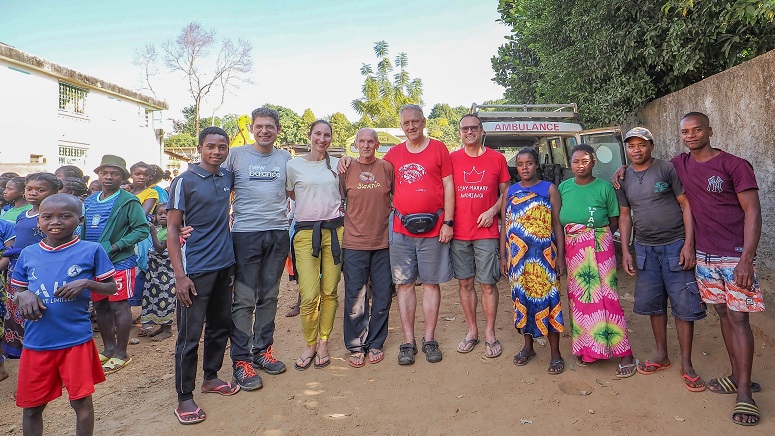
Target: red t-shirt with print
{"x":418,"y":187}
{"x":476,"y":190}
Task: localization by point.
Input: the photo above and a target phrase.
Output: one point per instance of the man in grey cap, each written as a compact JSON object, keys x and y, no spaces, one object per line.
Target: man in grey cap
{"x":664,"y":247}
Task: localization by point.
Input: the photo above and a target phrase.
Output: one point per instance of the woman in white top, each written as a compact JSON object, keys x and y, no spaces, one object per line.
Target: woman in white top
{"x":314,"y":184}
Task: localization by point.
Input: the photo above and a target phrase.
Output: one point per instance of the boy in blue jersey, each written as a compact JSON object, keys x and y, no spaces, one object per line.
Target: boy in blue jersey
{"x":114,"y":218}
{"x":204,"y":271}
{"x":58,"y":347}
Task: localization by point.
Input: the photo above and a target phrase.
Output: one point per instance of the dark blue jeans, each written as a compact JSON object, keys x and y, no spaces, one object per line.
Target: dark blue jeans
{"x":366,"y":329}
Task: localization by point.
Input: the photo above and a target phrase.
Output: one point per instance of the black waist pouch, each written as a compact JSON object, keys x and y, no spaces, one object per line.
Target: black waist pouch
{"x":417,"y":223}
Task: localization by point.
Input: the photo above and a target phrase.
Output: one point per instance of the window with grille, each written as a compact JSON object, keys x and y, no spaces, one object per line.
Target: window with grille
{"x":72,"y":99}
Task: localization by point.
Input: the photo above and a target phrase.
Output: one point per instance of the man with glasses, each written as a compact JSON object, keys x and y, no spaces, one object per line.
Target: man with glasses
{"x":261,"y":245}
{"x":481,"y":178}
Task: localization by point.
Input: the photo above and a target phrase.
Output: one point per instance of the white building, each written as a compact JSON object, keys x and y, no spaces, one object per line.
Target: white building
{"x":51,"y":115}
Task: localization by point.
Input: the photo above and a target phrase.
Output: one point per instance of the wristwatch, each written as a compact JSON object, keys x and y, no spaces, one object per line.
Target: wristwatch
{"x":449,"y":222}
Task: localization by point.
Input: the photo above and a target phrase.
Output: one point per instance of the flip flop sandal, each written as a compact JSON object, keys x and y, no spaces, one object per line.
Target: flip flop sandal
{"x":689,"y":381}
{"x":103,"y":358}
{"x":729,"y":387}
{"x":354,"y":362}
{"x":114,"y":364}
{"x":746,"y":408}
{"x":324,"y":364}
{"x":467,"y":345}
{"x":522,"y":358}
{"x":632,"y":366}
{"x":554,"y":364}
{"x":143,"y":333}
{"x":226,"y":389}
{"x":376,"y":355}
{"x":490,"y":346}
{"x":646,"y":364}
{"x":302,"y":368}
{"x":182,"y":416}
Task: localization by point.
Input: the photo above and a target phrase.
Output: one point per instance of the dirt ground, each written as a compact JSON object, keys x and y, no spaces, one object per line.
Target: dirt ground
{"x":463,"y":394}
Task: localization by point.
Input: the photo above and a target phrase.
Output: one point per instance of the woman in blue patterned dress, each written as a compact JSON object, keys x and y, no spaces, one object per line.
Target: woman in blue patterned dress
{"x":532,"y":257}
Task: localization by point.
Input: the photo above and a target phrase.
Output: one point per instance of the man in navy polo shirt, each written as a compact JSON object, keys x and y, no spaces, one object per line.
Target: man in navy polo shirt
{"x":204,"y":271}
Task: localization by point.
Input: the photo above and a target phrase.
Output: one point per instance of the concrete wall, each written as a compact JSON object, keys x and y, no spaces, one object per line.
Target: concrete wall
{"x":741,"y":105}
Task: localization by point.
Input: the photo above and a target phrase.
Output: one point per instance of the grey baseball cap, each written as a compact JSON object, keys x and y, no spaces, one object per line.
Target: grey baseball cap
{"x":639,"y":132}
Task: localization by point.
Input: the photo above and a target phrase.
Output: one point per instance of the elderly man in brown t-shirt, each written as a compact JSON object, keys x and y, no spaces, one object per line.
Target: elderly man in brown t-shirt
{"x":366,"y":185}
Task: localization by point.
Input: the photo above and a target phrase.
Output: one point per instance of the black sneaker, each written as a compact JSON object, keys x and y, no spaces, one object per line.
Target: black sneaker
{"x":431,"y":350}
{"x":406,"y":353}
{"x":246,"y":376}
{"x":268,"y":363}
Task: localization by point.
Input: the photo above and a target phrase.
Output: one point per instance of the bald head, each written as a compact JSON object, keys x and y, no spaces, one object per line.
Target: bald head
{"x":366,"y":133}
{"x":67,"y":202}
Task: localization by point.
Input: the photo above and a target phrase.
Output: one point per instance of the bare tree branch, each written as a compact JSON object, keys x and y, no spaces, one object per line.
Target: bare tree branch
{"x":146,"y":59}
{"x":189,"y":54}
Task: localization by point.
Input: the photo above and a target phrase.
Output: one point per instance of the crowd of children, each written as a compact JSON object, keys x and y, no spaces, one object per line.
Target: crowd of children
{"x":88,"y":237}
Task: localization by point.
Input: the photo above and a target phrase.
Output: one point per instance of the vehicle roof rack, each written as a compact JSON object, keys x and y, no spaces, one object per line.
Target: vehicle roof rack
{"x":494,"y":112}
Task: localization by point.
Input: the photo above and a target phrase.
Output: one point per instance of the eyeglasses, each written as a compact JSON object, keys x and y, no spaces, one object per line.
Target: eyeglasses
{"x":466,"y":129}
{"x":413,"y":123}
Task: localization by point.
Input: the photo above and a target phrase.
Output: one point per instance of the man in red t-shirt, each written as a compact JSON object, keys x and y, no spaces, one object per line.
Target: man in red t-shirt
{"x":423,"y":184}
{"x":481,"y":177}
{"x":724,"y":199}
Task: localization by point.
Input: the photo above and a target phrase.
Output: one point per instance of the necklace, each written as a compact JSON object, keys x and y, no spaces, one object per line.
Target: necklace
{"x":641,"y":174}
{"x":366,"y":176}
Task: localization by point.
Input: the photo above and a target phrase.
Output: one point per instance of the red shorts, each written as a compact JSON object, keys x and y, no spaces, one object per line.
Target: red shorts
{"x":125,"y":282}
{"x":43,"y":373}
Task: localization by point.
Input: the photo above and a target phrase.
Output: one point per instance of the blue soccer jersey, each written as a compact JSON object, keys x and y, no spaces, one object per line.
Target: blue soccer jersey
{"x":27,"y":230}
{"x":43,"y":270}
{"x":7,"y":232}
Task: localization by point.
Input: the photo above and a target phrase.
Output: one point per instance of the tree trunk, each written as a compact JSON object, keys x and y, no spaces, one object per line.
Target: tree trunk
{"x":196,"y":120}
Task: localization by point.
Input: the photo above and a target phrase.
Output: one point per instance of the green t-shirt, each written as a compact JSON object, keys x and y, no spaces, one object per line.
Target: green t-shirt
{"x":161,"y":235}
{"x":14,"y":212}
{"x":591,"y":204}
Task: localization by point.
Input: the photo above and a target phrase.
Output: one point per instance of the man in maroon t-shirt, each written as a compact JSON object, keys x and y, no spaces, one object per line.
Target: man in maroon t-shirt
{"x":724,"y":198}
{"x":481,"y":177}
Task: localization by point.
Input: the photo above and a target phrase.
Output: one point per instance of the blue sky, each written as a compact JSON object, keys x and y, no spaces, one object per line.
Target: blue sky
{"x":307,"y":54}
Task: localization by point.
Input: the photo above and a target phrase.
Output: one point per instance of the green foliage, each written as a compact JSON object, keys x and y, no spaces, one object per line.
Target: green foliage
{"x":443,"y":123}
{"x":185,"y":130}
{"x":443,"y":110}
{"x":445,"y":131}
{"x":613,"y":56}
{"x":180,"y":140}
{"x":341,"y":129}
{"x":384,"y":95}
{"x":364,"y":121}
{"x":307,"y":118}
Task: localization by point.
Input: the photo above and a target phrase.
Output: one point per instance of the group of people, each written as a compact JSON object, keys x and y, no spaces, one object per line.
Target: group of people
{"x":46,"y":315}
{"x":419,"y":215}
